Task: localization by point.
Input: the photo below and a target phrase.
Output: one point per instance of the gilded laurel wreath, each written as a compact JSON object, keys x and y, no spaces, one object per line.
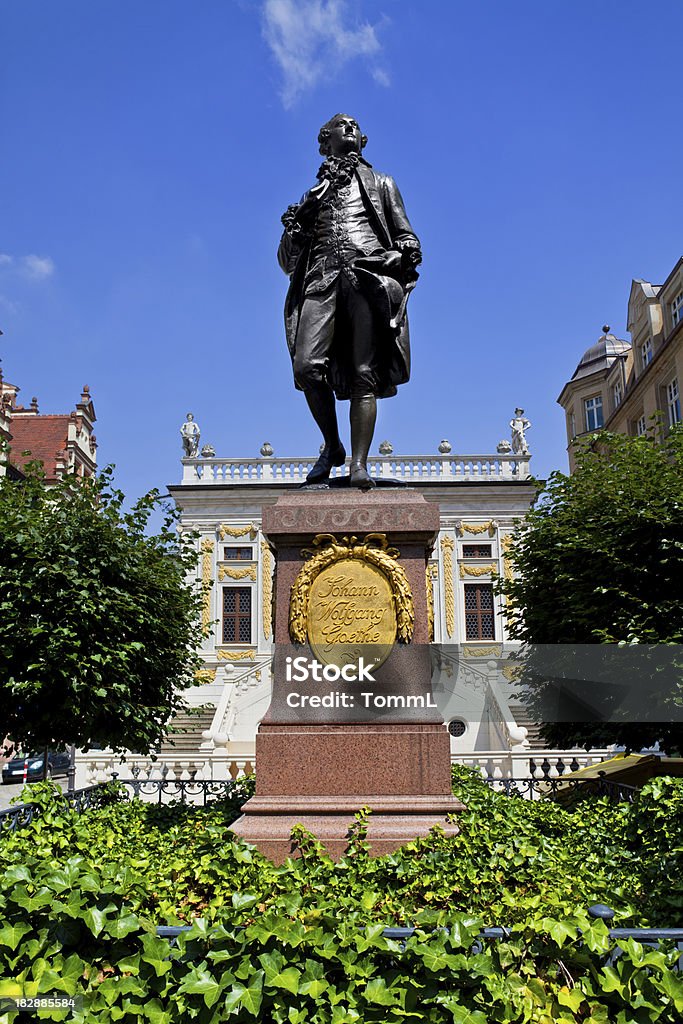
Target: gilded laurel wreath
{"x":328,"y":550}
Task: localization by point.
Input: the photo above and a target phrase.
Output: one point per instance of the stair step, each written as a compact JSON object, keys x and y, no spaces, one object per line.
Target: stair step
{"x":188,"y":740}
{"x":522,"y":718}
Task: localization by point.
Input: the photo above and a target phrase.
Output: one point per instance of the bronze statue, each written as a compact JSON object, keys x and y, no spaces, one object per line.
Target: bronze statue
{"x":351,"y":255}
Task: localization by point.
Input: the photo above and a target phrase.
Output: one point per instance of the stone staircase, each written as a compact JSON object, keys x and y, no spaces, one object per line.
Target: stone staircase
{"x":186,"y":743}
{"x":523,"y":718}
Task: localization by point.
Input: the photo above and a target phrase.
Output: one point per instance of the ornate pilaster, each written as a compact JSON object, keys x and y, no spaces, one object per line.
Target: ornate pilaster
{"x":447,"y":546}
{"x":207,"y":579}
{"x":506,"y":544}
{"x":431,"y":573}
{"x":267,"y":588}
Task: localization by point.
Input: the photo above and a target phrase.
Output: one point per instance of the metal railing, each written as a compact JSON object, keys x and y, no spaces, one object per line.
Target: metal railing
{"x":201,"y":792}
{"x":21,"y":815}
{"x":564,"y":787}
{"x":197,"y":792}
{"x":647,"y":936}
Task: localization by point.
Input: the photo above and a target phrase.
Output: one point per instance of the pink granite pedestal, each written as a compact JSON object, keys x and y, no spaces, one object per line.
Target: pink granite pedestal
{"x":319,"y":773}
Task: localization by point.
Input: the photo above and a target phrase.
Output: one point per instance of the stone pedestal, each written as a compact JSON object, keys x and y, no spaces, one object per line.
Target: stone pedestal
{"x":318,"y":767}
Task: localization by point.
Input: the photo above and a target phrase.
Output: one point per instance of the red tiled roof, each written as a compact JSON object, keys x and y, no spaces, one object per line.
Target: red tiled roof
{"x":43,"y":436}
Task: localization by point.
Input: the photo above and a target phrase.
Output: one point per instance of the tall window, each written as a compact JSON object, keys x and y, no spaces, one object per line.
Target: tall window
{"x":593,"y":408}
{"x":479,"y":623}
{"x":677,"y":309}
{"x":673,"y":402}
{"x":646,"y":353}
{"x":237,"y":615}
{"x":618,"y":393}
{"x":641,"y":426}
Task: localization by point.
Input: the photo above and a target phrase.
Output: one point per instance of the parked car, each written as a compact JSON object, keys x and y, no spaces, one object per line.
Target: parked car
{"x":57,"y":764}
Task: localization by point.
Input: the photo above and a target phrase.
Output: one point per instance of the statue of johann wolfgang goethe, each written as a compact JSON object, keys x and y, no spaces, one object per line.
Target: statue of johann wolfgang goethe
{"x":351,"y":255}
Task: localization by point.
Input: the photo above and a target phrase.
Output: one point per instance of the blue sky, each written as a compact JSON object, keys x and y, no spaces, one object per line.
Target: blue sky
{"x":149,"y":150}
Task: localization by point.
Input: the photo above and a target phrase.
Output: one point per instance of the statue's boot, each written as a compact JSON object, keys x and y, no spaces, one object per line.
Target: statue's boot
{"x":322,"y":405}
{"x":363,"y":417}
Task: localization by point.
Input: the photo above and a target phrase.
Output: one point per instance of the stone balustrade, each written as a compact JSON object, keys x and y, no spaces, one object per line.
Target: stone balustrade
{"x":535,"y":764}
{"x":95,"y":768}
{"x":219,"y":766}
{"x":406,"y":468}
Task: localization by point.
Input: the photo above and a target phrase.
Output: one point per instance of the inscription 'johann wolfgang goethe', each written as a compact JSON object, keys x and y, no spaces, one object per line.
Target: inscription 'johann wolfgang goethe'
{"x":351,"y":606}
{"x":346,"y":612}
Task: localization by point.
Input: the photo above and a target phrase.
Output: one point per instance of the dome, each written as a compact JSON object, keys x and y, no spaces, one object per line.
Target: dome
{"x":602,"y":354}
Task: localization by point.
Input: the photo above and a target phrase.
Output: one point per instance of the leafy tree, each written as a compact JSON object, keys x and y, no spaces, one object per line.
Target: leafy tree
{"x":99,"y":620}
{"x":599,"y":560}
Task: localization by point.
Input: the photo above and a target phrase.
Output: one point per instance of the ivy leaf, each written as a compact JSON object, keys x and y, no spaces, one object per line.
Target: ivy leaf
{"x":376,"y":991}
{"x":461,"y":1014}
{"x":611,"y":982}
{"x":12,"y":934}
{"x":156,"y":953}
{"x":313,"y":988}
{"x":570,"y":997}
{"x":249,"y":996}
{"x":464,"y":929}
{"x":243,"y":900}
{"x":95,"y":920}
{"x":560,"y":931}
{"x":123,"y":925}
{"x":156,"y":1014}
{"x":200,"y":982}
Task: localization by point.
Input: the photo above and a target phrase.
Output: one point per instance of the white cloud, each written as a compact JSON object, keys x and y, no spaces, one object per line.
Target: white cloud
{"x":311,"y":39}
{"x":381,"y":77}
{"x":38,"y":267}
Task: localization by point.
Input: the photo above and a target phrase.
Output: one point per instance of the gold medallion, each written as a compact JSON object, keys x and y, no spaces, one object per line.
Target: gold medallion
{"x":351,"y":614}
{"x":351,"y":599}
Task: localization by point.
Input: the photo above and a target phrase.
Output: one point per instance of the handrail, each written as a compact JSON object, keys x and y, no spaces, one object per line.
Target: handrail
{"x":497,"y":933}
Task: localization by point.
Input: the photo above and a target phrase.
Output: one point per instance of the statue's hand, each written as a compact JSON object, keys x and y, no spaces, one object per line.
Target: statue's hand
{"x":410,"y":251}
{"x":289,"y":216}
{"x":406,"y":243}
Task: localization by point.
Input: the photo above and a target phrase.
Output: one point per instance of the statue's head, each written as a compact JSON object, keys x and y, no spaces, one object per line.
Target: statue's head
{"x":340,"y":136}
{"x":519,"y":412}
{"x":190,"y":416}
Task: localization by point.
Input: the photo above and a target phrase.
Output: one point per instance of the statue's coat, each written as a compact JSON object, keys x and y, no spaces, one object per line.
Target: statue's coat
{"x":380,"y":276}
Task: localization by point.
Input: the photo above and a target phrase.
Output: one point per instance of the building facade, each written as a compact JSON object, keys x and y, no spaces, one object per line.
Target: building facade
{"x":480,"y":498}
{"x":630,"y":386}
{"x":63,"y":442}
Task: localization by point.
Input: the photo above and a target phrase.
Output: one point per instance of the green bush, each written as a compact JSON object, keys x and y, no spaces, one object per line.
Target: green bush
{"x":81,"y":897}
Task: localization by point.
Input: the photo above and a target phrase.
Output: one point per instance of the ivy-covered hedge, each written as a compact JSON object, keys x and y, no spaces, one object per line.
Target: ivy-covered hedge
{"x":81,"y":897}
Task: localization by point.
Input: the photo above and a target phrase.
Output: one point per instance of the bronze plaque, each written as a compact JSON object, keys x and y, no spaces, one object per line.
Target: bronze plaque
{"x":351,"y":613}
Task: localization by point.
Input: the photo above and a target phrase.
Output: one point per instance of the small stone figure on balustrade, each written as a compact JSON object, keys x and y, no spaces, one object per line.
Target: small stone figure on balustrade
{"x":519,"y":425}
{"x":190,"y":434}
